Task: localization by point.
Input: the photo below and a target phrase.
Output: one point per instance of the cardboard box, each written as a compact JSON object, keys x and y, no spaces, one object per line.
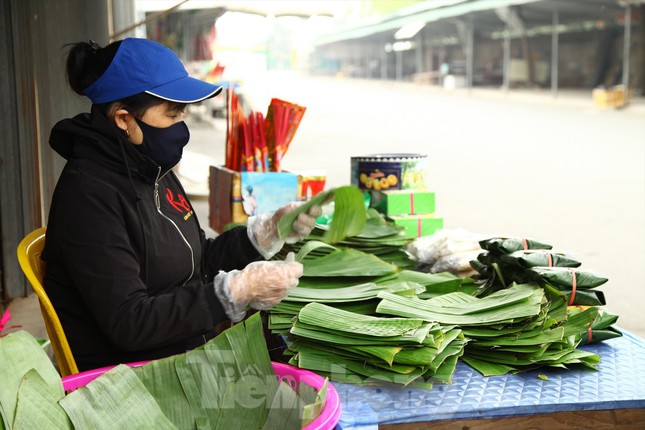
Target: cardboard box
{"x":405,"y":202}
{"x":234,"y":196}
{"x":418,"y":225}
{"x":611,"y":97}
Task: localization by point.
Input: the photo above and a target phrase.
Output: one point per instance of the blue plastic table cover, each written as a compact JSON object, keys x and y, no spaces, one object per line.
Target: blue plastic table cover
{"x":619,"y":383}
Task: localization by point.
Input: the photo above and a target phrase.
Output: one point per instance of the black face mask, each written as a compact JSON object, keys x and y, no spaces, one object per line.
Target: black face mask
{"x":163,"y":145}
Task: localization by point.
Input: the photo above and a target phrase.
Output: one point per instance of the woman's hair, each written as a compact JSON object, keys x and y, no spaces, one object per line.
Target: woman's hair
{"x":87,"y":61}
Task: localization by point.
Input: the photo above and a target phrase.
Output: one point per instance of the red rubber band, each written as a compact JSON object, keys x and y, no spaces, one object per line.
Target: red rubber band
{"x":525,"y":244}
{"x":550,"y":259}
{"x":589,"y":335}
{"x":411,"y":203}
{"x":573,"y":286}
{"x":419,"y":227}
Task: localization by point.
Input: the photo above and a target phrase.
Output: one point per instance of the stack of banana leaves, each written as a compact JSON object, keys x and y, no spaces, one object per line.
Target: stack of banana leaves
{"x":377,"y":237}
{"x":505,"y":261}
{"x":328,"y":321}
{"x":351,"y":285}
{"x":366,"y":350}
{"x":519,"y":328}
{"x":343,"y":275}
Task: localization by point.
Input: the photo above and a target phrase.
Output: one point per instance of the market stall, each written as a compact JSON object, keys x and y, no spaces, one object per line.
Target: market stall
{"x":612,"y":397}
{"x":396,"y":322}
{"x":569,"y":365}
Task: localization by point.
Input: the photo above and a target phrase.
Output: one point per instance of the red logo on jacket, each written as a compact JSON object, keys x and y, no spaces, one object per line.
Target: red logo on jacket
{"x":179,"y":202}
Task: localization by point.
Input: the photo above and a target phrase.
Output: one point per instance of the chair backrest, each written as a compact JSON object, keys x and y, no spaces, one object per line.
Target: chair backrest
{"x":29,"y":250}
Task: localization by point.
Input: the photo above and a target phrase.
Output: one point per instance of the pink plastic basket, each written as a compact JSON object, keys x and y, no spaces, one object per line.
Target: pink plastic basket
{"x":293,"y":376}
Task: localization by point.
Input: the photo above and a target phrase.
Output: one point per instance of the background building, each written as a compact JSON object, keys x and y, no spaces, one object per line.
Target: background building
{"x":500,"y":43}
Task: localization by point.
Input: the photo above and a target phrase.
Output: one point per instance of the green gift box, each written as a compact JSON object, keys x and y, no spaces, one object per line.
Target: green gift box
{"x":406,"y":202}
{"x":418,"y":225}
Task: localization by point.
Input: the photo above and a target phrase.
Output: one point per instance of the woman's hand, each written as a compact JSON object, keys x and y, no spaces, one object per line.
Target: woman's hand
{"x":263,"y":229}
{"x":261,"y":285}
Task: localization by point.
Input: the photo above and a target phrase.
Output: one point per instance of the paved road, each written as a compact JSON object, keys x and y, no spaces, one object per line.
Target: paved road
{"x":563,"y":172}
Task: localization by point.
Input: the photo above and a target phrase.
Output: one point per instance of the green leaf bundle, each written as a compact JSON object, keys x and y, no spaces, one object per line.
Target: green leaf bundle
{"x":367,"y":349}
{"x":349,"y":214}
{"x":228,"y":383}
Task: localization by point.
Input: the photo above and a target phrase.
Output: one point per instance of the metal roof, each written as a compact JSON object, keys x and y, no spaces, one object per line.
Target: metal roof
{"x":533,"y":12}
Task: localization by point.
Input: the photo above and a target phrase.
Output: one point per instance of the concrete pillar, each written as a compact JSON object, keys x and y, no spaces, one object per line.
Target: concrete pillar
{"x":627,"y":41}
{"x":507,"y":58}
{"x":554,"y":52}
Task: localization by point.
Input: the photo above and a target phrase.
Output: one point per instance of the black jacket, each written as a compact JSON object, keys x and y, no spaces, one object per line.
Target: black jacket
{"x":128,"y":268}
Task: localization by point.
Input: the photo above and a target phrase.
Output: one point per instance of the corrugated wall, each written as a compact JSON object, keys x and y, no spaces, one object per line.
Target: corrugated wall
{"x":35,"y":96}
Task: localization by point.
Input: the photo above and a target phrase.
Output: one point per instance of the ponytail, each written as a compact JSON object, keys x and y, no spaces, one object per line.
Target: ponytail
{"x":86,"y":61}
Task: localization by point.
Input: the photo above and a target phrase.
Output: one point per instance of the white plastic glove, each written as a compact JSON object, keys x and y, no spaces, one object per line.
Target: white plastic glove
{"x":261,"y":284}
{"x":263,"y":229}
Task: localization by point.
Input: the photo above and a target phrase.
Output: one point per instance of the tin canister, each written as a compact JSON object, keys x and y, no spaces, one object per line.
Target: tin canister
{"x":378,"y":172}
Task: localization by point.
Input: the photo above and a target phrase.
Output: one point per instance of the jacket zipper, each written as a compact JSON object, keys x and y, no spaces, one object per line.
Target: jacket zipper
{"x":158,"y":206}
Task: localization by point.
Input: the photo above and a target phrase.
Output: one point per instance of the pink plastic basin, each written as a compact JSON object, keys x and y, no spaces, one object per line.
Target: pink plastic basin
{"x":293,"y":376}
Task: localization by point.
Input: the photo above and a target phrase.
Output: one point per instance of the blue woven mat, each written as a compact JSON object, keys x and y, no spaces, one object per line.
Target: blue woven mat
{"x":619,"y":383}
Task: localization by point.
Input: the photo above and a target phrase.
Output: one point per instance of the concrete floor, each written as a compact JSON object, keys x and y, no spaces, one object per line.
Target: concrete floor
{"x":207,"y":147}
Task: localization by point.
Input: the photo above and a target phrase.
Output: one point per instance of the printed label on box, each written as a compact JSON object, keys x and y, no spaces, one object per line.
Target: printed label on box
{"x":266,"y":192}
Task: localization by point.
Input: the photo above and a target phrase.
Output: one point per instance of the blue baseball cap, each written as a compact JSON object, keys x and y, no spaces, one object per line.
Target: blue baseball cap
{"x":141,"y":65}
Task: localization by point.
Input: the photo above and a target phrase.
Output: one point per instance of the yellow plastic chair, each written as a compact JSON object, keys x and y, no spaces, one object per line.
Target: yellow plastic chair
{"x":29,"y":250}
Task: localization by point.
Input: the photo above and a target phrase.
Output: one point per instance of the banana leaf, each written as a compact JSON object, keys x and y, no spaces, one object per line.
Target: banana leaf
{"x":487,"y":368}
{"x":434,"y":282}
{"x":20,"y":352}
{"x":454,"y":348}
{"x":377,"y":374}
{"x":201,"y":380}
{"x":313,"y":407}
{"x":37,"y":405}
{"x":601,"y":326}
{"x":377,"y":227}
{"x":349,"y":214}
{"x":347,"y":262}
{"x":327,"y":317}
{"x":334,"y":281}
{"x":284,"y":321}
{"x":372,"y":353}
{"x":353,"y":298}
{"x":161,"y":380}
{"x":397,"y":257}
{"x":284,"y":411}
{"x":510,"y":245}
{"x":285,"y":224}
{"x":580,"y":322}
{"x":303,"y":330}
{"x":403,"y":369}
{"x":604,"y":319}
{"x":599,"y":335}
{"x":312,"y":246}
{"x":546,"y":337}
{"x":323,"y":366}
{"x":398,"y":240}
{"x":364,"y":307}
{"x":484,"y":270}
{"x":585,"y":297}
{"x":334,"y":295}
{"x":518,"y":302}
{"x":421,"y":356}
{"x":445,"y":371}
{"x":116,"y":399}
{"x":382,"y":352}
{"x":561,"y":277}
{"x":533,"y":258}
{"x":339,"y":369}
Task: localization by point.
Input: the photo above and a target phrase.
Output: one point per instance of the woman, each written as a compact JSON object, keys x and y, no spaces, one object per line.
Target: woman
{"x":128,"y":268}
